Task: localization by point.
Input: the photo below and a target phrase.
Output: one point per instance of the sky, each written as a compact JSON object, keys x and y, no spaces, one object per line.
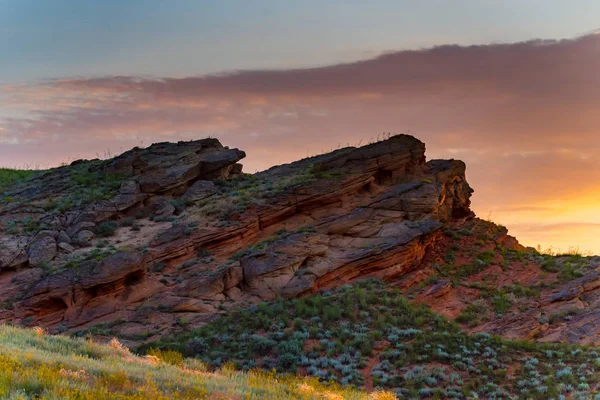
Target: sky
{"x":509,"y":87}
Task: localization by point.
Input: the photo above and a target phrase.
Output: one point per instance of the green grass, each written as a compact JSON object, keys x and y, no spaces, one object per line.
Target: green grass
{"x":34,"y":365}
{"x":10,"y":177}
{"x":471,"y":315}
{"x":334,"y":335}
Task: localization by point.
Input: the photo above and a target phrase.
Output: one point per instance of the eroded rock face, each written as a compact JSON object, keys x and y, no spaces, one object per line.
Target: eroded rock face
{"x":216,"y":237}
{"x":71,"y":201}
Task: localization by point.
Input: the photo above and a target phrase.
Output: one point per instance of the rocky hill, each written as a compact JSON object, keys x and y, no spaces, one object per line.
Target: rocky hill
{"x":480,"y":276}
{"x":160,"y":240}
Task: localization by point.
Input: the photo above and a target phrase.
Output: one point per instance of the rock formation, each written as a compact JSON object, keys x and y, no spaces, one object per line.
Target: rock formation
{"x":171,"y":235}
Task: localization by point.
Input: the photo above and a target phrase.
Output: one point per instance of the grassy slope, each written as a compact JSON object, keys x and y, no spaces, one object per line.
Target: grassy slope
{"x":9,"y":177}
{"x":493,"y":280}
{"x":370,"y":335}
{"x":35,"y":365}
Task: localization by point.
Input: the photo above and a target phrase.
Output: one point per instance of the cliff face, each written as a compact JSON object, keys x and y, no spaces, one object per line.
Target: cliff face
{"x":192,"y":235}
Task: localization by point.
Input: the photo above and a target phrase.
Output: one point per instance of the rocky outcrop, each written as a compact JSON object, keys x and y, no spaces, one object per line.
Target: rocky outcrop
{"x":192,"y":235}
{"x":170,"y":236}
{"x":65,"y":205}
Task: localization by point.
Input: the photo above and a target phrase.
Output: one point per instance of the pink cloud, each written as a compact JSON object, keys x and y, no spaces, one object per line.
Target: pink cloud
{"x":523,"y":116}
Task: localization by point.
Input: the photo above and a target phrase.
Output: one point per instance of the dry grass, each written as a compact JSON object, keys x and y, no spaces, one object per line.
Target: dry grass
{"x":35,"y":365}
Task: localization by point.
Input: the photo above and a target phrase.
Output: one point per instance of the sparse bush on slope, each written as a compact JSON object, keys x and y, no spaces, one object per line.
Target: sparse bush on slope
{"x":369,"y":334}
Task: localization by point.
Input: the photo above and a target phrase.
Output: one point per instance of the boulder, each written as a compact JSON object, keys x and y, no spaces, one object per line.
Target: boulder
{"x":74,"y":229}
{"x":164,"y":208}
{"x":13,"y":251}
{"x":63,"y":237}
{"x":83,"y":237}
{"x":42,"y":250}
{"x":199,"y":190}
{"x":66,"y":247}
{"x":129,"y":195}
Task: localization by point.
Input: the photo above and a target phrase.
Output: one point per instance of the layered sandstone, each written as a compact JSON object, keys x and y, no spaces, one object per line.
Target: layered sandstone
{"x":208,"y":236}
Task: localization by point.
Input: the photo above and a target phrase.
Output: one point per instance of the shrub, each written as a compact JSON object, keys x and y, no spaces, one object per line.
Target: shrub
{"x":569,"y":272}
{"x":501,"y":303}
{"x":470,"y":315}
{"x":127,"y":221}
{"x":486,"y":256}
{"x":287,"y":361}
{"x":550,"y":265}
{"x":167,"y":356}
{"x":106,"y":229}
{"x":188,"y":263}
{"x":158,"y":267}
{"x":262,"y":345}
{"x":290,"y":347}
{"x":196,"y":346}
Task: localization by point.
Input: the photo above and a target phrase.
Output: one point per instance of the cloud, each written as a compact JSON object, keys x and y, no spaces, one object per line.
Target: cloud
{"x":524,"y":116}
{"x":517,"y":91}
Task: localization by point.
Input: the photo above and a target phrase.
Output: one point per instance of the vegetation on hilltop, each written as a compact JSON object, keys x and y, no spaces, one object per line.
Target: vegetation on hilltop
{"x":9,"y":177}
{"x":369,"y":335}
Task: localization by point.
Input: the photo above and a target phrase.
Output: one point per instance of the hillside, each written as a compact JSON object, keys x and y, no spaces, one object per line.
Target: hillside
{"x":369,"y":335}
{"x":34,"y":365}
{"x":363,"y":266}
{"x":479,"y":275}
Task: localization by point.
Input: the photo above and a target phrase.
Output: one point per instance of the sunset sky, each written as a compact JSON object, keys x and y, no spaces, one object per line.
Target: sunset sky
{"x":511,"y":87}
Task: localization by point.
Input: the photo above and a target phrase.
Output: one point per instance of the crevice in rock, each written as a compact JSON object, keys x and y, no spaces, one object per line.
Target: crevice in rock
{"x":51,"y":306}
{"x":383,"y":176}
